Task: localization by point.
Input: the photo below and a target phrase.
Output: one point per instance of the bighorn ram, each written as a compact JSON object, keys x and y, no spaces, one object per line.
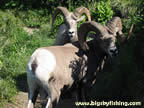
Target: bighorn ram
{"x":114,"y":27}
{"x":51,"y":68}
{"x":68,"y":31}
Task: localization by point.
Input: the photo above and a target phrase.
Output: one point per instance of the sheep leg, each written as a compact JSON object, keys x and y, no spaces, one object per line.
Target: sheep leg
{"x":33,"y":93}
{"x":83,"y":96}
{"x":48,"y":103}
{"x":53,"y":96}
{"x":76,"y":96}
{"x":29,"y":103}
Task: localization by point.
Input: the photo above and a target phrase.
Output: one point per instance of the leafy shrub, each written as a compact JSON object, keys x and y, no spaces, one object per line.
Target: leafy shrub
{"x":8,"y":22}
{"x":102,"y":11}
{"x":7,"y":89}
{"x":9,"y":3}
{"x":138,"y":21}
{"x":127,"y":8}
{"x":33,"y":18}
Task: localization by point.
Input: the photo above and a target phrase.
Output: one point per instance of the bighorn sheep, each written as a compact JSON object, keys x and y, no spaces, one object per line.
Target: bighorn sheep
{"x":51,"y":68}
{"x":114,"y":27}
{"x":68,"y":31}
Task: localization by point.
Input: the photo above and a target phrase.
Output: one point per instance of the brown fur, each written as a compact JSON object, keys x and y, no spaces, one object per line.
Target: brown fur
{"x":73,"y":67}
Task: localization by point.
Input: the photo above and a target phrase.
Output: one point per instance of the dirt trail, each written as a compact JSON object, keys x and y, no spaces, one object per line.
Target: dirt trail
{"x":30,"y":30}
{"x":22,"y":98}
{"x":20,"y":101}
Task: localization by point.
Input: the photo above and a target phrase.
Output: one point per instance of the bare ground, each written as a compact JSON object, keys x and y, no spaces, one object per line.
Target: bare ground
{"x":30,"y":30}
{"x":21,"y":100}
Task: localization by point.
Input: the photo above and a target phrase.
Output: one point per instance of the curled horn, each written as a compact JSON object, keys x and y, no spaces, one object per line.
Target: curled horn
{"x":82,"y":10}
{"x":123,"y":40}
{"x":114,"y":26}
{"x":60,"y":10}
{"x":130,"y":31}
{"x":90,"y":26}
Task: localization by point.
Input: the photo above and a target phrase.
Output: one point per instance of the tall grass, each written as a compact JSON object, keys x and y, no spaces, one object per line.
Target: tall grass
{"x":16,"y":47}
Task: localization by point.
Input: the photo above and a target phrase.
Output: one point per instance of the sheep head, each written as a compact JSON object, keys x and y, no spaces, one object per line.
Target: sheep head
{"x":114,"y":27}
{"x":105,"y":39}
{"x":71,"y":19}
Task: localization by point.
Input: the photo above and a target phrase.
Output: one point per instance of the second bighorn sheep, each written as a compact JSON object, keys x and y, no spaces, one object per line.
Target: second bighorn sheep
{"x":51,"y":68}
{"x":68,"y":31}
{"x":114,"y":27}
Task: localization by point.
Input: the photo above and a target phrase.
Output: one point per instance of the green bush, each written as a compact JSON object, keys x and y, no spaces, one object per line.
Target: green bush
{"x":33,"y":18}
{"x":7,"y":89}
{"x":102,"y":11}
{"x":8,"y":22}
{"x":127,"y":8}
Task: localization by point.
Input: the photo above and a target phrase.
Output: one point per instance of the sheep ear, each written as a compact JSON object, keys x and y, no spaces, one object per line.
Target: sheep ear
{"x":81,"y":18}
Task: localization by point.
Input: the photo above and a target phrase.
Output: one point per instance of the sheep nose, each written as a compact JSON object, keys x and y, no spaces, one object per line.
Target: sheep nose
{"x":70,"y":32}
{"x":114,"y":51}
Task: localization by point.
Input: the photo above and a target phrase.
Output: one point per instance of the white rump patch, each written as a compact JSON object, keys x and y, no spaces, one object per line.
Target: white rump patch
{"x":46,"y":64}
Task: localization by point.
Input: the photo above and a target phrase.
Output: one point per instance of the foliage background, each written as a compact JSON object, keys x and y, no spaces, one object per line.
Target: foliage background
{"x":122,"y":78}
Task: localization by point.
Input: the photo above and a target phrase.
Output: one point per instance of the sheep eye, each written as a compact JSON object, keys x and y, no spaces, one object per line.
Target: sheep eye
{"x":108,"y":40}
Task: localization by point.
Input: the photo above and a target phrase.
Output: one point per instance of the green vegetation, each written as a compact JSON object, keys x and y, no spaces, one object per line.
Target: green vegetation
{"x":16,"y":47}
{"x":122,"y":76}
{"x":102,"y":11}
